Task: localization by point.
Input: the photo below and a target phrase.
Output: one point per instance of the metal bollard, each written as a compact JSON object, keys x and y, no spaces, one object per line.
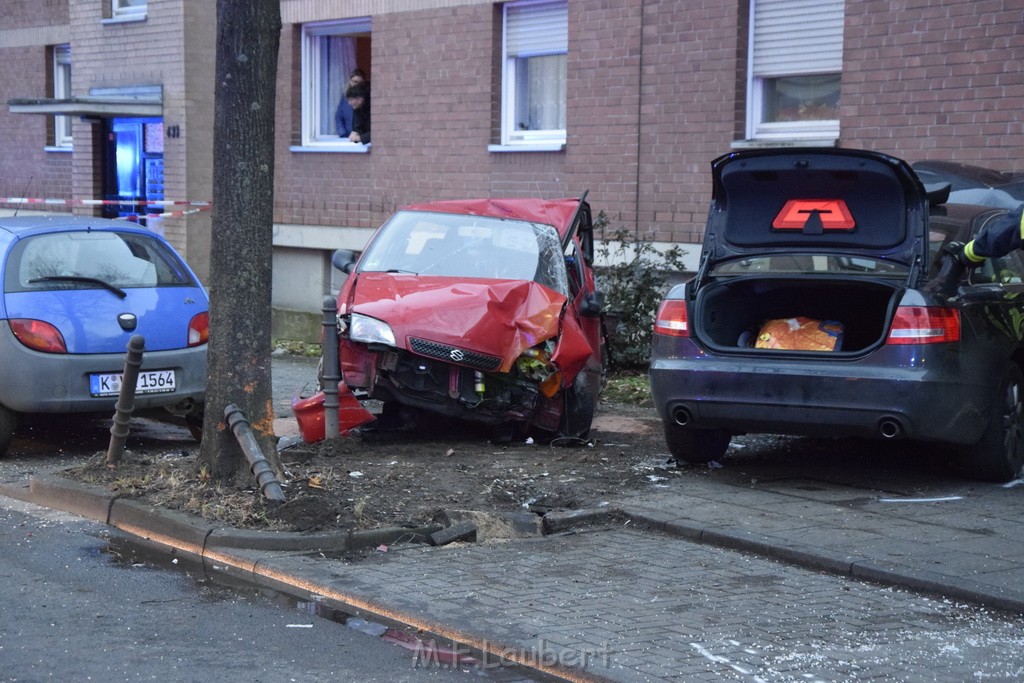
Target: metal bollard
{"x":331,"y":374}
{"x":258,"y":464}
{"x":125,"y":400}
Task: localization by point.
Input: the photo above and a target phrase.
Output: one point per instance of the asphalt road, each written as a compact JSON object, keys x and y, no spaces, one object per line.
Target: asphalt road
{"x":80,"y":605}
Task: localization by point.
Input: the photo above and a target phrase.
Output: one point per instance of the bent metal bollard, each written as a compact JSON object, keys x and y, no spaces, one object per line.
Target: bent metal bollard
{"x":125,"y":400}
{"x":258,"y":464}
{"x":331,"y":376}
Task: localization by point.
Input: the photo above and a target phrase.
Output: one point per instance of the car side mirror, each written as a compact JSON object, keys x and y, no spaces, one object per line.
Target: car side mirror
{"x":343,"y":260}
{"x":592,"y":304}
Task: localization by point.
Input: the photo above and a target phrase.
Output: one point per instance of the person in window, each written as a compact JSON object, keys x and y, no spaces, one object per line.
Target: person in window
{"x":358,"y":97}
{"x":343,"y":116}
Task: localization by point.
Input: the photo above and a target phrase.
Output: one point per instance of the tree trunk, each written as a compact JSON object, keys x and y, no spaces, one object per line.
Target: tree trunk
{"x":248,"y":35}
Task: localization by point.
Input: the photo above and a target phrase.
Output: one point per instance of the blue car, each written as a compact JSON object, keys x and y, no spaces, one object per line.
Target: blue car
{"x":822,"y":307}
{"x":75,"y":290}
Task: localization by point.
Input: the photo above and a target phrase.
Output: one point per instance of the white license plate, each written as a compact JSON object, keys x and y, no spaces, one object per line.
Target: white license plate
{"x":149,"y":382}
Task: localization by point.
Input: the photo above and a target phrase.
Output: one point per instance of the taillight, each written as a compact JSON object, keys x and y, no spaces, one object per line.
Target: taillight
{"x":924,"y":325}
{"x":671,"y":319}
{"x":199,"y":329}
{"x":38,"y":335}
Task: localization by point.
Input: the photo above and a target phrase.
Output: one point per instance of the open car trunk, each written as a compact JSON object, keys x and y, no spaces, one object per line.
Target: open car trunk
{"x":732,"y":314}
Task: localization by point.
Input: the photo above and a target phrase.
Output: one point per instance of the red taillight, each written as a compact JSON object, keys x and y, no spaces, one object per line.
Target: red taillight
{"x":199,"y":329}
{"x":671,"y":319}
{"x":38,"y":336}
{"x":924,"y":325}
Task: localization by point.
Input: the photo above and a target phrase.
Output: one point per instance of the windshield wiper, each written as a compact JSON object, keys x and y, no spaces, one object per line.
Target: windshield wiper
{"x":121,"y":294}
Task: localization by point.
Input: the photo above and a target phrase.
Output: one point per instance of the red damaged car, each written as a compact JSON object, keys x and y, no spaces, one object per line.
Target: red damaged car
{"x":482,"y":310}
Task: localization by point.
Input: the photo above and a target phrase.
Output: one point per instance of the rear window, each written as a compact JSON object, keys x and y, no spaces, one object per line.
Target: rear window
{"x":822,"y":264}
{"x":77,"y":260}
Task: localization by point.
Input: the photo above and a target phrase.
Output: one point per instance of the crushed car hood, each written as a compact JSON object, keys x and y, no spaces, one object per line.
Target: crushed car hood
{"x":817,"y":200}
{"x":500,"y":318}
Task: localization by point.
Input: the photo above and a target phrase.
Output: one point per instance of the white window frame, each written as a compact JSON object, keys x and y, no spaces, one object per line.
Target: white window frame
{"x":312,"y":33}
{"x":62,"y":91}
{"x":552,"y":139}
{"x":815,"y":61}
{"x":121,"y":9}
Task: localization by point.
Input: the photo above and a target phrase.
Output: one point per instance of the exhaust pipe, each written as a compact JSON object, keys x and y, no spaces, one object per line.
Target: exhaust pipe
{"x":889,"y":427}
{"x":681,"y":416}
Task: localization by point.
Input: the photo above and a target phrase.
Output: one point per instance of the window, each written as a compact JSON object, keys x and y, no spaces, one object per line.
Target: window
{"x":534,"y":73}
{"x":127,"y":8}
{"x":330,"y":52}
{"x":62,"y":91}
{"x":796,"y":58}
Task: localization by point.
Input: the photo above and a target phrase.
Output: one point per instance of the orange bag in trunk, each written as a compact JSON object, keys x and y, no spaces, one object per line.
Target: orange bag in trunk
{"x":800,"y":334}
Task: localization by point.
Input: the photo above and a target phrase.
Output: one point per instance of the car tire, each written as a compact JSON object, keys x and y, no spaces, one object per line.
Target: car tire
{"x":195,"y":426}
{"x":8,"y":423}
{"x":999,"y":455}
{"x":578,"y":410}
{"x":696,"y":446}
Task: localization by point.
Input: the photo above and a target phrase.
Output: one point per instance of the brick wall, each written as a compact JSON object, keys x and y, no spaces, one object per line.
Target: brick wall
{"x":936,"y":80}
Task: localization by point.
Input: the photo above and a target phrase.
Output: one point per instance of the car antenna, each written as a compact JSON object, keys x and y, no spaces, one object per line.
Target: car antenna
{"x":25,"y":193}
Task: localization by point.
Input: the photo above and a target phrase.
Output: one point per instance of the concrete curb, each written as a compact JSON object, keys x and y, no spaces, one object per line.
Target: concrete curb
{"x":201,"y":537}
{"x":822,"y":559}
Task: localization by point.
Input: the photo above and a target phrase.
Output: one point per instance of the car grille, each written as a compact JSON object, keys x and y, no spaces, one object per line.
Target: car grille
{"x":453,"y":354}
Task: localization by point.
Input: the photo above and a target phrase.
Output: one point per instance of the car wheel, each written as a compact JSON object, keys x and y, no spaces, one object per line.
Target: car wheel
{"x":578,"y":411}
{"x":8,"y":422}
{"x":195,"y":426}
{"x":999,"y":455}
{"x":696,"y":446}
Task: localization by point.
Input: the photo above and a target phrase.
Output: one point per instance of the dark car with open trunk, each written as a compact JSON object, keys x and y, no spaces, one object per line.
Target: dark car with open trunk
{"x":819,"y":309}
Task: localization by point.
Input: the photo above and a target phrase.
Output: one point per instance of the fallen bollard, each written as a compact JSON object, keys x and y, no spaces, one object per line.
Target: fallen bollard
{"x":125,"y":400}
{"x":259,"y":466}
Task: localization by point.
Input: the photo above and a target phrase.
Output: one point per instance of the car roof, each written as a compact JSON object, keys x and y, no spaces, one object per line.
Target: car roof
{"x":559,"y":213}
{"x":23,"y":226}
{"x":816,"y":200}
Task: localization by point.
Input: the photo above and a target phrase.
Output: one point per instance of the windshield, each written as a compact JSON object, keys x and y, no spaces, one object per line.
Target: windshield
{"x":92,"y":259}
{"x":810,"y":263}
{"x":460,"y":245}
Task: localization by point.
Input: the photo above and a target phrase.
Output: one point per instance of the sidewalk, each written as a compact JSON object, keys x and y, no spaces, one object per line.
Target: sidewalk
{"x":643,"y":589}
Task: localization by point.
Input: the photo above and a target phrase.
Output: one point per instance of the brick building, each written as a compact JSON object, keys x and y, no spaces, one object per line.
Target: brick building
{"x":628,"y":99}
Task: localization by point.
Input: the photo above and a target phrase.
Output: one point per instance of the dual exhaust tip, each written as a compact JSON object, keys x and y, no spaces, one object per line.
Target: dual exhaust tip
{"x":889,"y":427}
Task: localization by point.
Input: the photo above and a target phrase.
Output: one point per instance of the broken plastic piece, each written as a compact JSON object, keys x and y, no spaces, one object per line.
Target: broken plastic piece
{"x":309,"y":412}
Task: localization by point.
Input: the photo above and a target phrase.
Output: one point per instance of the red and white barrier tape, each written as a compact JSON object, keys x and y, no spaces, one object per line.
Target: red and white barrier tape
{"x":100,"y":202}
{"x":36,"y":201}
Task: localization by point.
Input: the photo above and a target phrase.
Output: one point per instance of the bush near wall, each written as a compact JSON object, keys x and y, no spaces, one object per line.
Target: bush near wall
{"x":634,"y":282}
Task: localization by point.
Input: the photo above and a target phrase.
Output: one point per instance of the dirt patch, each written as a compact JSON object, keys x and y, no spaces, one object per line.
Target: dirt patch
{"x":399,"y":478}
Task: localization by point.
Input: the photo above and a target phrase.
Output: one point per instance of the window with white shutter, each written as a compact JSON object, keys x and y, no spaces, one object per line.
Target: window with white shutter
{"x":796,"y":59}
{"x":536,"y":38}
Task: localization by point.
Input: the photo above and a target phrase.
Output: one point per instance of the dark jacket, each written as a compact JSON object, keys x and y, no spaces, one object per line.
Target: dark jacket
{"x":998,"y":238}
{"x":361,"y":120}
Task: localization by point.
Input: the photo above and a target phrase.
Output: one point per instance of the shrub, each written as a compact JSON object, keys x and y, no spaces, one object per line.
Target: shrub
{"x":634,"y":279}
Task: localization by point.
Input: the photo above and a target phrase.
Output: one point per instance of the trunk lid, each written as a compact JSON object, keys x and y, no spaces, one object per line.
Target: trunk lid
{"x":854,"y":203}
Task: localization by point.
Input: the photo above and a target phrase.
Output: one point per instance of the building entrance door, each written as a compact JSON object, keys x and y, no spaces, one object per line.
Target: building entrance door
{"x":133,"y":167}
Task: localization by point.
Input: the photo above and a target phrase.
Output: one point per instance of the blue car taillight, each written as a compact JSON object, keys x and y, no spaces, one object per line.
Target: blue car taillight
{"x":924,"y":325}
{"x":38,"y":335}
{"x":199,"y":329}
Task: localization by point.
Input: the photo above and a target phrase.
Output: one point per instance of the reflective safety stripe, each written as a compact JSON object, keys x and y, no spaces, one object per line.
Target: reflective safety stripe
{"x":969,"y":253}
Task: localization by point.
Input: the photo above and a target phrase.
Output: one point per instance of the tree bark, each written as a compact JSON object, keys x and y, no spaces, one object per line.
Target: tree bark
{"x":248,"y":36}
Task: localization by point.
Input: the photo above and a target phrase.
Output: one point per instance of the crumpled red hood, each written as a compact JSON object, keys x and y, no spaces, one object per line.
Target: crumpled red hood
{"x":497,"y":317}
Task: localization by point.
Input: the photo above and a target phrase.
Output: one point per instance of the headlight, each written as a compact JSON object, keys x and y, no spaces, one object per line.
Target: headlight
{"x":370,"y":330}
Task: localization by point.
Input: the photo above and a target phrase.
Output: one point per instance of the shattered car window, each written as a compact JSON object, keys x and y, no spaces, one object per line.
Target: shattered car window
{"x":460,"y":245}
